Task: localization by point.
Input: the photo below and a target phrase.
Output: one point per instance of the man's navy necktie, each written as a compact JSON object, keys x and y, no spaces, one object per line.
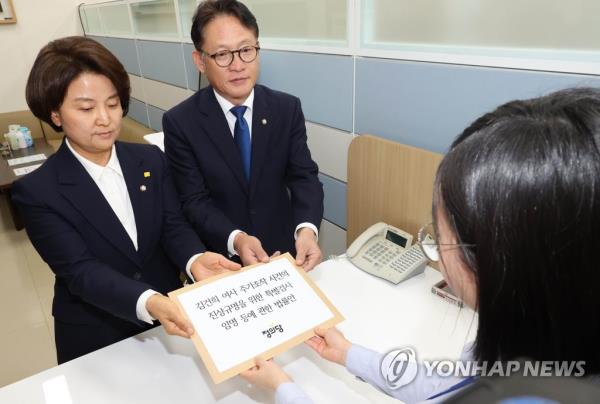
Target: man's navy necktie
{"x":241,"y":137}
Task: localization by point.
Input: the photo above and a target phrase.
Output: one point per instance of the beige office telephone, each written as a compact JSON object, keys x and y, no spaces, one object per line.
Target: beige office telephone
{"x":387,"y":252}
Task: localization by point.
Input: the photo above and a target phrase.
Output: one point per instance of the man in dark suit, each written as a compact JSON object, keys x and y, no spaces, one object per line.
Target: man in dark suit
{"x":238,"y":150}
{"x":105,"y":216}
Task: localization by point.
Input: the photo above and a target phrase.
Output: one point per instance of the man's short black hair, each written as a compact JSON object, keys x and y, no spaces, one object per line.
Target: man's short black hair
{"x":209,"y":9}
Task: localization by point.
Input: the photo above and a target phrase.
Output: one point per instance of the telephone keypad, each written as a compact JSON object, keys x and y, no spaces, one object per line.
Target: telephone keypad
{"x":381,"y":254}
{"x":385,"y":253}
{"x":412,"y":256}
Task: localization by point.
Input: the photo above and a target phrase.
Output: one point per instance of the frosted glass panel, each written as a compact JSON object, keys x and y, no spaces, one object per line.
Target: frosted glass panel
{"x":83,"y":18}
{"x":92,"y":20}
{"x":155,"y":18}
{"x":115,"y":19}
{"x":533,"y":24}
{"x":186,"y":13}
{"x":301,"y":20}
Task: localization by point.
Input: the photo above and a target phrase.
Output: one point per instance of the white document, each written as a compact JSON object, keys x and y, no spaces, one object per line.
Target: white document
{"x":239,"y":317}
{"x":25,"y":170}
{"x":27,"y":159}
{"x":157,"y":139}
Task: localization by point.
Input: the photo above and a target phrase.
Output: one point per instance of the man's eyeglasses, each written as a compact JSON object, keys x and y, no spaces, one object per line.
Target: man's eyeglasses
{"x":427,"y":240}
{"x":224,"y":58}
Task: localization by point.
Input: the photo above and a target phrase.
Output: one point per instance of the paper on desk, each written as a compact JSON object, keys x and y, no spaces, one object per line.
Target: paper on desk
{"x":27,"y":159}
{"x":25,"y":170}
{"x":263,"y":310}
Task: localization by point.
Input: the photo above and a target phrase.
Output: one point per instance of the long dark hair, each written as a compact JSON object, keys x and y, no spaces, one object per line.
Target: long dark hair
{"x":522,"y":184}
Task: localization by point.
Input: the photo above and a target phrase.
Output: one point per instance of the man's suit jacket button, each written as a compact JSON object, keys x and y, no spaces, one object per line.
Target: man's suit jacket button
{"x":137,"y":276}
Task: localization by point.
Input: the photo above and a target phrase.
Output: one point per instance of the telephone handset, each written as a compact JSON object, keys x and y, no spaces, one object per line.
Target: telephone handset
{"x":387,"y":252}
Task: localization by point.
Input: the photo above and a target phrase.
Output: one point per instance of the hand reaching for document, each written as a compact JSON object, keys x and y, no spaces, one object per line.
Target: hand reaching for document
{"x":330,"y":344}
{"x":172,"y":319}
{"x":210,"y":264}
{"x":249,"y":249}
{"x":266,"y":374}
{"x":308,"y":253}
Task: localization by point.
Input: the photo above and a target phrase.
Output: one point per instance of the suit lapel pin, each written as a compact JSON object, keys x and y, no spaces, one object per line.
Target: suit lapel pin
{"x":146,"y":174}
{"x":264,"y":121}
{"x":143,"y":188}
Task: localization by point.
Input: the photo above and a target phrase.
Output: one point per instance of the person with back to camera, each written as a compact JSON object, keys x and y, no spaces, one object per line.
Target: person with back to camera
{"x":103,"y":214}
{"x":516,"y":211}
{"x":238,"y":150}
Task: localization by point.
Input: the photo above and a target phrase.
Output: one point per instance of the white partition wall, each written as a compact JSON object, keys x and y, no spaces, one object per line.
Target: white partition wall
{"x":548,"y":35}
{"x":554,"y":25}
{"x":322,"y":22}
{"x":416,"y":72}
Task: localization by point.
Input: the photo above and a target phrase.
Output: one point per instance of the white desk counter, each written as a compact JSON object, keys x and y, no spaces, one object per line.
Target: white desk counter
{"x":153,"y":367}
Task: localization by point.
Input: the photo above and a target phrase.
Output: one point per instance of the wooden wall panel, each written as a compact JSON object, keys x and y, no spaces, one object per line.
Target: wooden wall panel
{"x":389,"y":182}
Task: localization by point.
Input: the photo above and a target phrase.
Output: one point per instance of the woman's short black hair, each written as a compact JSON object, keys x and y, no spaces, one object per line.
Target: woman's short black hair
{"x":62,"y":61}
{"x":209,"y":9}
{"x":522,"y":183}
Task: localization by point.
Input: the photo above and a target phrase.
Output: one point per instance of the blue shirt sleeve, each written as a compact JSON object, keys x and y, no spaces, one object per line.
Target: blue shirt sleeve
{"x":291,"y":393}
{"x":366,"y":365}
